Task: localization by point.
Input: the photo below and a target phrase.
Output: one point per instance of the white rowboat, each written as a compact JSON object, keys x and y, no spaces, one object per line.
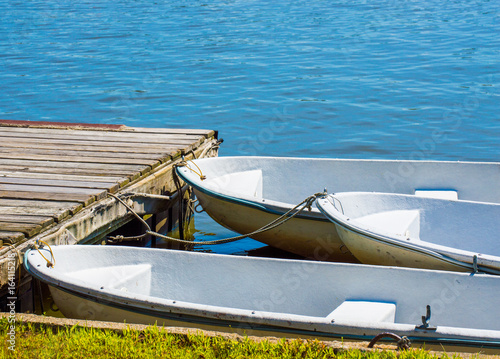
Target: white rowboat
{"x":264,"y":296}
{"x":412,"y":231}
{"x":246,"y":193}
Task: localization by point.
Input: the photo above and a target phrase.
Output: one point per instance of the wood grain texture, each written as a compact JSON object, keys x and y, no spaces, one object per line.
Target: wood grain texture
{"x":110,"y":186}
{"x":28,"y":229}
{"x":51,"y":171}
{"x":11,"y":237}
{"x":84,"y":199}
{"x":4,"y":174}
{"x":58,"y":214}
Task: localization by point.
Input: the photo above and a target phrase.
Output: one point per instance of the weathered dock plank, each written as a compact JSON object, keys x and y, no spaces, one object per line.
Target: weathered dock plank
{"x":57,"y":209}
{"x":57,"y":214}
{"x":55,"y":177}
{"x":26,"y":143}
{"x":80,"y":159}
{"x":95,"y":142}
{"x":44,"y":196}
{"x":28,"y":229}
{"x":99,"y":193}
{"x":105,"y":127}
{"x":26,"y":168}
{"x":49,"y":205}
{"x":55,"y":163}
{"x":11,"y":237}
{"x":72,"y":151}
{"x":107,"y":136}
{"x":42,"y":221}
{"x":61,"y":176}
{"x":110,"y":186}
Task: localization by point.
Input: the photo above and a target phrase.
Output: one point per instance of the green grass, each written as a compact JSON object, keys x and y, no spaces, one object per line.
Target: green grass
{"x":45,"y":341}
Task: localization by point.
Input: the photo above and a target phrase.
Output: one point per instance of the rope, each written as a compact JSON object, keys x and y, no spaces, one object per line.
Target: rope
{"x":178,"y":186}
{"x":186,"y":164}
{"x":37,"y":247}
{"x":403,"y":342}
{"x":306,"y":203}
{"x":120,"y":238}
{"x":130,"y":209}
{"x":215,"y":146}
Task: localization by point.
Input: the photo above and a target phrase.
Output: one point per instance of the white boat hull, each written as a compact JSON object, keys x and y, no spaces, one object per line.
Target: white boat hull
{"x":403,"y":230}
{"x":245,"y":193}
{"x":264,"y":296}
{"x":313,"y":238}
{"x":378,"y":253}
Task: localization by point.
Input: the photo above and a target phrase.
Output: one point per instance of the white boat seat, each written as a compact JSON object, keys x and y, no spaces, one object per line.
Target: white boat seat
{"x":403,"y":222}
{"x":364,"y":311}
{"x":134,"y":278}
{"x":437,"y":193}
{"x":246,"y":183}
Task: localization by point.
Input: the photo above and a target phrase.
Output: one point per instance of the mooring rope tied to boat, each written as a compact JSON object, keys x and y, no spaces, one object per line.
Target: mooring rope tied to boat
{"x":306,"y":203}
{"x":37,"y":247}
{"x":403,"y":342}
{"x":198,"y":172}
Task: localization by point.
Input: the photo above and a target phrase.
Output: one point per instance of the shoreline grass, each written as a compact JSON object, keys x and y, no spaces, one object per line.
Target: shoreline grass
{"x":38,"y":340}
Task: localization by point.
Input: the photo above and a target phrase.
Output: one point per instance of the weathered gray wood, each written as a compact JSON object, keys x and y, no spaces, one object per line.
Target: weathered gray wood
{"x":80,"y":159}
{"x":132,"y":175}
{"x":47,"y":174}
{"x":88,"y":166}
{"x":110,"y":186}
{"x":43,"y":196}
{"x":7,"y":187}
{"x":43,"y":221}
{"x":134,"y":134}
{"x":28,"y":229}
{"x":104,"y":138}
{"x":40,"y":204}
{"x":101,"y":127}
{"x":57,"y":213}
{"x":62,"y":177}
{"x":59,"y":210}
{"x":89,"y":224}
{"x":67,"y":125}
{"x":200,"y":132}
{"x":11,"y":237}
{"x":163,"y":145}
{"x":50,"y":205}
{"x":27,"y":143}
{"x":74,"y":151}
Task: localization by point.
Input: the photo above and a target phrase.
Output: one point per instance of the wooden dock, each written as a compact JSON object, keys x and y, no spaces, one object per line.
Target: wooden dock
{"x":55,"y":177}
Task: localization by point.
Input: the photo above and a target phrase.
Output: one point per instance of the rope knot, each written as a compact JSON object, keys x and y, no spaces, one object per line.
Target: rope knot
{"x":404,"y":343}
{"x":39,"y":244}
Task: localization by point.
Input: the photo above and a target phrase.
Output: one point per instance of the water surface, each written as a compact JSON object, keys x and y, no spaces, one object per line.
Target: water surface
{"x":351,"y":79}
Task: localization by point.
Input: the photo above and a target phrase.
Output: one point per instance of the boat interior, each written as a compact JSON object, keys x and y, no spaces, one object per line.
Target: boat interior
{"x":306,"y":288}
{"x":462,"y":225}
{"x":263,"y":177}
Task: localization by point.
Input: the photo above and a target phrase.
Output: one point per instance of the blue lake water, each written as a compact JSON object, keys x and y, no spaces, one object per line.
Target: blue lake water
{"x":353,"y":79}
